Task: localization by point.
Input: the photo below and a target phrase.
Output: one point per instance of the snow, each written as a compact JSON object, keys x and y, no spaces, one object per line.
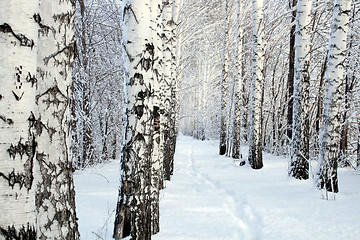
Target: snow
{"x":96,"y":196}
{"x":212,"y":197}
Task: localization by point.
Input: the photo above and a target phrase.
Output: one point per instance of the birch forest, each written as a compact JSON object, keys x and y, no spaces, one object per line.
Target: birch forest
{"x":88,"y":82}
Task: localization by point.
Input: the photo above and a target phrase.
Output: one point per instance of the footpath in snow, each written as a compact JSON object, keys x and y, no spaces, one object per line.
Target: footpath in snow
{"x":212,"y":197}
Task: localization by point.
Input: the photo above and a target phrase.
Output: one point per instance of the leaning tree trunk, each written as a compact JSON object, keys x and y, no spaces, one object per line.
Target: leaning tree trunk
{"x":18,"y":45}
{"x":238,"y":94}
{"x":224,"y":84}
{"x":257,"y":78}
{"x":133,"y":214}
{"x":299,"y":163}
{"x":330,"y":134}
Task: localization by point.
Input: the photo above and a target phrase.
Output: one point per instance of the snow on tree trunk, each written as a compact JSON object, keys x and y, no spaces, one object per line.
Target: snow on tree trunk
{"x":299,"y":165}
{"x":238,"y":97}
{"x":133,"y":214}
{"x":55,"y":194}
{"x":330,"y":134}
{"x":18,"y":39}
{"x":257,"y":78}
{"x":224,"y":84}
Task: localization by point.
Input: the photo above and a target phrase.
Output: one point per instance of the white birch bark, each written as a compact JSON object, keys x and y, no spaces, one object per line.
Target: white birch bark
{"x":166,"y":85}
{"x":330,"y":134}
{"x":18,"y":43}
{"x":55,"y":194}
{"x":238,"y":93}
{"x":42,"y":118}
{"x":157,"y":154}
{"x":257,"y":78}
{"x":299,"y":165}
{"x":174,"y":83}
{"x":224,"y":84}
{"x":133,"y":215}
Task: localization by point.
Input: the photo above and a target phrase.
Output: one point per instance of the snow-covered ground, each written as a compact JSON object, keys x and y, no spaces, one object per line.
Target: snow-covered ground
{"x":96,"y":196}
{"x":212,"y":197}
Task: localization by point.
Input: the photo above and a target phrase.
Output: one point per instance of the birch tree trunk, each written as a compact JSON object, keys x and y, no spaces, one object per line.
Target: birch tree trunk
{"x":174,"y":84}
{"x":257,"y":78}
{"x":299,"y":165}
{"x":238,"y":93}
{"x":18,"y":39}
{"x":55,"y":195}
{"x":133,"y":214}
{"x":330,"y":134}
{"x":290,"y":85}
{"x":40,"y":119}
{"x":157,"y":165}
{"x":167,"y":98}
{"x":224,"y":84}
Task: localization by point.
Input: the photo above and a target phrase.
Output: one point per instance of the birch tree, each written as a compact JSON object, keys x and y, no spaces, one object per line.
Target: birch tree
{"x":257,"y":78}
{"x":42,"y":196}
{"x":157,"y":164}
{"x":224,"y":84}
{"x":238,"y":94}
{"x":55,"y":195}
{"x":133,"y":214}
{"x":18,"y":36}
{"x":330,"y":134}
{"x":167,"y":86}
{"x":299,"y":164}
{"x":292,"y":4}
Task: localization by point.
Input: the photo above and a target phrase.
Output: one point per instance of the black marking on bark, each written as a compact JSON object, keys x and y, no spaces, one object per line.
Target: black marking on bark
{"x":147,"y":63}
{"x":25,"y":178}
{"x":128,"y":8}
{"x":64,"y":214}
{"x":24,"y":233}
{"x":18,"y":98}
{"x":68,"y":50}
{"x":7,"y":120}
{"x":44,"y":30}
{"x":139,"y":111}
{"x":24,"y":41}
{"x":31,"y":79}
{"x":20,"y":149}
{"x":138,"y":78}
{"x":65,"y":18}
{"x":37,"y":124}
{"x":131,"y":59}
{"x":54,"y":96}
{"x":1,"y":96}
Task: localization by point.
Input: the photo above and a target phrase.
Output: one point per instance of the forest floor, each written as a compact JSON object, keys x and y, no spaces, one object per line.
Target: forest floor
{"x":212,"y":197}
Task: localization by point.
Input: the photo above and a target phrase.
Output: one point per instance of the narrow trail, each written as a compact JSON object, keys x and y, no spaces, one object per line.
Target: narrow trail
{"x":211,"y":197}
{"x":200,"y":195}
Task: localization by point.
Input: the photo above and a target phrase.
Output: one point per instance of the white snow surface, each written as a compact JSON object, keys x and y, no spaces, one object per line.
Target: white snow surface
{"x":212,"y":197}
